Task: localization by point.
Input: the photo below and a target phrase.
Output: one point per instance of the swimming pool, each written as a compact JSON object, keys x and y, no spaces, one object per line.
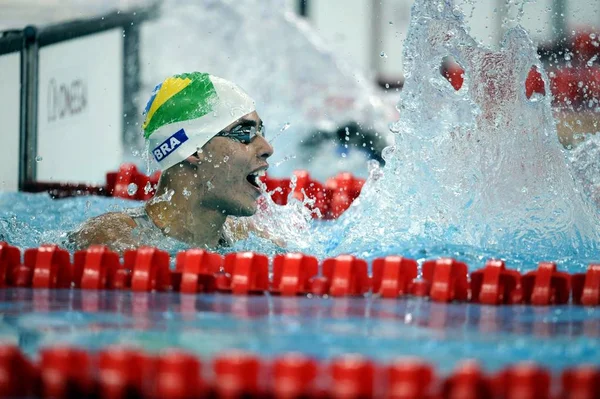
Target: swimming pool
{"x":475,"y":174}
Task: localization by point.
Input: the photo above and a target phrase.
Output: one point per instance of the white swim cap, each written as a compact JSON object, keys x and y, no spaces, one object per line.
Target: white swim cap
{"x":187,"y":110}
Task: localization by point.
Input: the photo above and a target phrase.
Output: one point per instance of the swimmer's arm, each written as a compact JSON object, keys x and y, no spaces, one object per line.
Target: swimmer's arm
{"x":114,"y":230}
{"x":240,"y":229}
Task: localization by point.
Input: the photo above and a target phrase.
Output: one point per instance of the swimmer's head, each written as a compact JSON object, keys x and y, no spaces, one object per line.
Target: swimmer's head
{"x":208,"y":139}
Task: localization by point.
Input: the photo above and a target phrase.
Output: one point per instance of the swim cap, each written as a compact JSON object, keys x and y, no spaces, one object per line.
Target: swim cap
{"x":185,"y":111}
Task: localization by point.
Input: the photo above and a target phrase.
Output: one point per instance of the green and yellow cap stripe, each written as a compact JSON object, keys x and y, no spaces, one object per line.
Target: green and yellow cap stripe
{"x":180,"y":97}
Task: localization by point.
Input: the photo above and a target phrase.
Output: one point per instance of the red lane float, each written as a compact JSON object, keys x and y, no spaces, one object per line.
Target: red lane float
{"x":393,"y":276}
{"x":17,"y":374}
{"x":249,"y":272}
{"x":586,"y":287}
{"x":572,"y":86}
{"x":236,"y":375}
{"x":467,"y":381}
{"x":150,"y":269}
{"x":51,"y":266}
{"x":66,"y":372}
{"x":294,"y":376}
{"x":292,"y":274}
{"x":124,"y":373}
{"x":129,"y":183}
{"x":409,"y":379}
{"x":279,"y":189}
{"x":178,"y":376}
{"x":534,"y":83}
{"x":581,"y":382}
{"x":352,"y":376}
{"x":97,"y":268}
{"x":524,"y":381}
{"x":197,"y":270}
{"x":313,"y":190}
{"x":345,"y":188}
{"x":119,"y":372}
{"x":347,"y":276}
{"x":447,"y":279}
{"x":495,"y":285}
{"x":546,"y":285}
{"x":10,"y":259}
{"x":319,"y":285}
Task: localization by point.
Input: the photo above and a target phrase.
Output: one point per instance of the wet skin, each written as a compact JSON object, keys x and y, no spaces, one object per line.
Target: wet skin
{"x":196,"y":196}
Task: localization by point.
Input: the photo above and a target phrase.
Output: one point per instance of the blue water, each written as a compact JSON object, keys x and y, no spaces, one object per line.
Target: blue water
{"x":444,"y":334}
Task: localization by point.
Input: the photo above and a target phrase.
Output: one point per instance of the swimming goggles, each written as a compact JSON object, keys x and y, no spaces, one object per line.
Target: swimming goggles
{"x":244,"y":133}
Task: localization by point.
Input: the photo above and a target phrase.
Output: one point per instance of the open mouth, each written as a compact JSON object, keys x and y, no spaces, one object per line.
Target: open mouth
{"x":254,"y":178}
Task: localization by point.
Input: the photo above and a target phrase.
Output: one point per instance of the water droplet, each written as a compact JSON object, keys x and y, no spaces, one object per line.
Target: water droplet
{"x":38,"y":158}
{"x":285,"y":127}
{"x":147,"y":188}
{"x":344,"y":155}
{"x":225,"y":158}
{"x":391,"y":23}
{"x":591,"y":61}
{"x":383,"y":54}
{"x":186,"y":192}
{"x":387,"y":85}
{"x":132,"y":188}
{"x":592,"y":36}
{"x":209,"y":185}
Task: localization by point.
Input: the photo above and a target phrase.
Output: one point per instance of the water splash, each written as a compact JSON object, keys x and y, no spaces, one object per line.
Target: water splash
{"x":480,"y":167}
{"x":473,"y":173}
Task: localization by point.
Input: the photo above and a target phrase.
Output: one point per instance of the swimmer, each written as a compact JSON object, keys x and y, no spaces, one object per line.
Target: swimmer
{"x":210,"y":144}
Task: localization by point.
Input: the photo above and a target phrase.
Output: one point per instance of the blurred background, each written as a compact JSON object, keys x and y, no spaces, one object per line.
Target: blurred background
{"x":325,"y":73}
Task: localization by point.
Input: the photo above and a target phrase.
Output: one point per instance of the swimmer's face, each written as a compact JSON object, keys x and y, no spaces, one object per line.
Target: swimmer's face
{"x":229,"y":165}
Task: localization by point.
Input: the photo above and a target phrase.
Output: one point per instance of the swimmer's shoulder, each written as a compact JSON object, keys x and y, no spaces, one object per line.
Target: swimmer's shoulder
{"x":113,"y":229}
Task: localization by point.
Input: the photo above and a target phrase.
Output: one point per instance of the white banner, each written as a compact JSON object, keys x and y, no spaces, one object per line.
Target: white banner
{"x":80,"y":108}
{"x":10,"y":107}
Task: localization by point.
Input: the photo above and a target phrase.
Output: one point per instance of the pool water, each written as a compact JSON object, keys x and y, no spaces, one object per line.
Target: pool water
{"x":473,"y":174}
{"x":556,"y":337}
